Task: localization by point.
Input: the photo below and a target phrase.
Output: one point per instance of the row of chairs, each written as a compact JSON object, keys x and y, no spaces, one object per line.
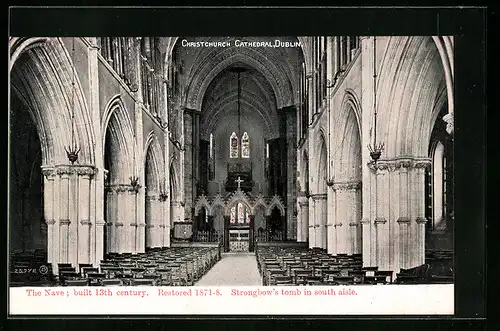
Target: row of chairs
{"x":157,"y":267}
{"x":302,"y":266}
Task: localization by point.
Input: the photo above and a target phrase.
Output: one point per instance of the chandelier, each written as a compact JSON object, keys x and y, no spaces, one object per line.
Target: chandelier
{"x":72,"y":150}
{"x":377,"y":148}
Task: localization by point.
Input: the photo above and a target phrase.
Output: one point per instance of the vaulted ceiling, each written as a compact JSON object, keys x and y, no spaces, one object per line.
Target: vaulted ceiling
{"x":269,"y":82}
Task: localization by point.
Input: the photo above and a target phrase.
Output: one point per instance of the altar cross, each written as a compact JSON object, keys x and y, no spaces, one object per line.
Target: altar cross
{"x":239,"y":181}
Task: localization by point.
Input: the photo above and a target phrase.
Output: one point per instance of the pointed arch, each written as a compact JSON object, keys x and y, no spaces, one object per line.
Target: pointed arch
{"x":346,"y":149}
{"x":411,"y":79}
{"x":202,"y":202}
{"x":41,"y":74}
{"x":245,"y":146}
{"x":321,"y":164}
{"x":234,"y":146}
{"x":153,"y":157}
{"x":275,"y":202}
{"x":117,"y":126}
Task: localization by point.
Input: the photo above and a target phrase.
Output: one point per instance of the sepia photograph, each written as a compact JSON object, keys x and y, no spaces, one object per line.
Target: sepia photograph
{"x":231,"y":167}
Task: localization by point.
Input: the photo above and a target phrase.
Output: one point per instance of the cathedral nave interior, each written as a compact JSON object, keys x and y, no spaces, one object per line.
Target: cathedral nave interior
{"x":151,"y":161}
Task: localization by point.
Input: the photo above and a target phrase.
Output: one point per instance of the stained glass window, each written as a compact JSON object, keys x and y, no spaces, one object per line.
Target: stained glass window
{"x":233,"y":215}
{"x":233,"y":146}
{"x":243,"y":216}
{"x":241,"y":213}
{"x":245,"y":146}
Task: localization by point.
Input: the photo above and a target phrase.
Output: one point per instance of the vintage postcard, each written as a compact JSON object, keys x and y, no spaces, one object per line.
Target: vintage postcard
{"x":291,"y":175}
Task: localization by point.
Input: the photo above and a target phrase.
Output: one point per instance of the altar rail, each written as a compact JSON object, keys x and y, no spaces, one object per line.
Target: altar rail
{"x":208,"y":236}
{"x":264,"y":236}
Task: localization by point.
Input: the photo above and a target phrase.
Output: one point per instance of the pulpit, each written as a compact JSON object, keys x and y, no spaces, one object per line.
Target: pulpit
{"x":183,"y":230}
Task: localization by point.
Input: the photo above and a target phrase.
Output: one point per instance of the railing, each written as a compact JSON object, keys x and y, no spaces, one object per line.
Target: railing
{"x":266,"y":236}
{"x":208,"y":236}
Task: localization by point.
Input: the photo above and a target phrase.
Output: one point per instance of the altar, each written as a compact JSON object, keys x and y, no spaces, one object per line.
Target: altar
{"x":239,"y":239}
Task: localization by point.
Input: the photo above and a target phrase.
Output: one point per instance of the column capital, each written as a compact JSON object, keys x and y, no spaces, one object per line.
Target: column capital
{"x":400,"y":163}
{"x":58,"y":170}
{"x":119,"y":188}
{"x":403,"y":220}
{"x":421,"y":220}
{"x":319,"y":196}
{"x":346,"y":186}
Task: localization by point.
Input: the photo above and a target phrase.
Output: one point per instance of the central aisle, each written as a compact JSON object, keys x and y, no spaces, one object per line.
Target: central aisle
{"x":232,"y":270}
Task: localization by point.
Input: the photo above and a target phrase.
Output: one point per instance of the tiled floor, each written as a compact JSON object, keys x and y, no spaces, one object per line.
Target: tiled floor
{"x":233,"y":269}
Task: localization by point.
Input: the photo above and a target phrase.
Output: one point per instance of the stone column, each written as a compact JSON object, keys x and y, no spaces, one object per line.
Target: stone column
{"x":347,"y":216}
{"x":291,"y":173}
{"x":312,"y":223}
{"x":330,"y":223}
{"x":68,"y":206}
{"x":96,"y":215}
{"x":320,"y":221}
{"x":123,"y":235}
{"x":400,"y":209}
{"x":303,"y":219}
{"x":368,"y":177}
{"x":155,"y":226}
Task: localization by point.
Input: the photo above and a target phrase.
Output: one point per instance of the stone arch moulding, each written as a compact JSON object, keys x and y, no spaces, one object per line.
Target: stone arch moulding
{"x":276,"y":78}
{"x":153,"y":146}
{"x":351,"y":99}
{"x":322,"y":146}
{"x":54,"y":72}
{"x":116,"y":112}
{"x":412,"y":73}
{"x":259,"y":202}
{"x":275,"y":202}
{"x":202,"y":202}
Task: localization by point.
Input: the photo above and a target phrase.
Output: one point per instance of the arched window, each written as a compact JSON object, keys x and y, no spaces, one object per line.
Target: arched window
{"x":438,"y":187}
{"x":233,"y":146}
{"x":245,"y":146}
{"x":243,"y":216}
{"x":211,"y":152}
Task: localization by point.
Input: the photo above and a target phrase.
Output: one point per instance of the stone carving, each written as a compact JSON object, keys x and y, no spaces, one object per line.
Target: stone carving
{"x":120,"y":188}
{"x":448,"y":118}
{"x":81,"y":170}
{"x":252,"y":202}
{"x":346,"y":186}
{"x":398,"y":163}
